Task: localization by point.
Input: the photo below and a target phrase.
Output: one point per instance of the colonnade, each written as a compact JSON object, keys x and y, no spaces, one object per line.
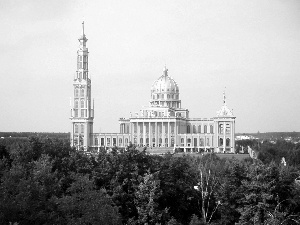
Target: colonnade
{"x":154,"y":134}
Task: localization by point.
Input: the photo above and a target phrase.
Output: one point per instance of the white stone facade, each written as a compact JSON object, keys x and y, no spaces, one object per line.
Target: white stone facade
{"x":162,"y":125}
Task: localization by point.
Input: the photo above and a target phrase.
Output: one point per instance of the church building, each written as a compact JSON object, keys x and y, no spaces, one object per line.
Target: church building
{"x":163,"y":125}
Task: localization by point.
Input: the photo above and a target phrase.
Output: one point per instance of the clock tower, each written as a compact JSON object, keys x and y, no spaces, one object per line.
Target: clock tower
{"x":82,"y":112}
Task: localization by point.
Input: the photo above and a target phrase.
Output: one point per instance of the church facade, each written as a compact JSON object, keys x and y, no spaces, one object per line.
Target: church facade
{"x":163,"y":125}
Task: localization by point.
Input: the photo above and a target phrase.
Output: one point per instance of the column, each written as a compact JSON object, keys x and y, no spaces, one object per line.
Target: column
{"x":156,"y":135}
{"x":150,"y":136}
{"x":169,"y":134}
{"x":144,"y":134}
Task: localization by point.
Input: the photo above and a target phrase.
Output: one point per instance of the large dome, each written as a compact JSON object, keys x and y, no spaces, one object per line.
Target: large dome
{"x":165,"y":91}
{"x":165,"y":84}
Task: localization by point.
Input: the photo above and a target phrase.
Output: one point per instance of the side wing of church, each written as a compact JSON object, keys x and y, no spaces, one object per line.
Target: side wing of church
{"x":164,"y":125}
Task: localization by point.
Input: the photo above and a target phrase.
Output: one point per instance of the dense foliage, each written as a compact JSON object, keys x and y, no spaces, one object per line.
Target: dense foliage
{"x":44,"y":181}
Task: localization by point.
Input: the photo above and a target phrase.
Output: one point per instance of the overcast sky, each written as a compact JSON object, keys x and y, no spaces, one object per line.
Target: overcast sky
{"x":250,"y":47}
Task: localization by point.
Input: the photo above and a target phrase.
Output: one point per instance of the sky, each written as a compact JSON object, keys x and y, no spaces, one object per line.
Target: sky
{"x":250,"y":48}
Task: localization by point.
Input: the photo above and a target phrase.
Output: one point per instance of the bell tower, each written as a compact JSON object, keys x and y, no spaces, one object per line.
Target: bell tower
{"x":82,"y":112}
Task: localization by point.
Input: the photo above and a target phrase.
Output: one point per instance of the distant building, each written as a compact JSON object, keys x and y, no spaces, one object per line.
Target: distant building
{"x":164,"y":124}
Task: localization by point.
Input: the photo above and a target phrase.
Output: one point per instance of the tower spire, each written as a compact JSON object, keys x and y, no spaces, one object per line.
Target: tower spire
{"x":82,"y":28}
{"x":224,"y":97}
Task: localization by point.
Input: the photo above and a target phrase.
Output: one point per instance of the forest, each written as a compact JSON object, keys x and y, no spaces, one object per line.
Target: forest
{"x":45,"y":181}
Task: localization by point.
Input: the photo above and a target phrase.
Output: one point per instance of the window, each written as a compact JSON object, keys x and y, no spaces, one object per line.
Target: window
{"x":201,"y":142}
{"x":82,"y":92}
{"x":96,"y":141}
{"x":141,"y":141}
{"x":207,"y":141}
{"x":82,"y":113}
{"x":211,"y":129}
{"x":195,"y":142}
{"x":76,"y":128}
{"x":76,"y":92}
{"x":199,"y":129}
{"x":189,"y":141}
{"x":194,"y":129}
{"x":102,"y":141}
{"x":76,"y":112}
{"x":188,"y":129}
{"x":227,"y":142}
{"x":166,"y":142}
{"x":221,"y":142}
{"x":227,"y":128}
{"x":82,"y":128}
{"x":76,"y":104}
{"x":82,"y":104}
{"x":108,"y":141}
{"x":114,"y":141}
{"x":182,"y":141}
{"x":205,"y":129}
{"x":168,"y":96}
{"x":120,"y":141}
{"x":221,"y":129}
{"x":126,"y":141}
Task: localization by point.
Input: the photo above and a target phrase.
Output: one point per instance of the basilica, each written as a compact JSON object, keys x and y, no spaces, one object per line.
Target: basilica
{"x":163,"y":125}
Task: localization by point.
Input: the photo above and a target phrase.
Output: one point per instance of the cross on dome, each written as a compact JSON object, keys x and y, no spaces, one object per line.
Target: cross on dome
{"x":165,"y":71}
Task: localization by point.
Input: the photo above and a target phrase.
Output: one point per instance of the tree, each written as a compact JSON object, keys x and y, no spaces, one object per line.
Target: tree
{"x":83,"y":204}
{"x":146,"y":197}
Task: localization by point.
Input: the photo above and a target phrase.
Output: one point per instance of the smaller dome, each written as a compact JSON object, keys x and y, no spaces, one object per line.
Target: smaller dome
{"x":224,"y":111}
{"x":165,"y":84}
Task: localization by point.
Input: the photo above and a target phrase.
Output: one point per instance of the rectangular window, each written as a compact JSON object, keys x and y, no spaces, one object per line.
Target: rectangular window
{"x":108,"y":141}
{"x":102,"y":141}
{"x":82,"y":113}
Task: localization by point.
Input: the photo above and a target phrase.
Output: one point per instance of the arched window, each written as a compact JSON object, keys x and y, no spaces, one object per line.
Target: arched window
{"x":227,"y":142}
{"x":221,"y":142}
{"x":194,"y":129}
{"x":211,"y":129}
{"x":76,"y":92}
{"x":205,"y":129}
{"x":120,"y":141}
{"x":96,"y":141}
{"x":76,"y":128}
{"x":188,"y":129}
{"x":201,"y":142}
{"x":82,"y":104}
{"x":199,"y":129}
{"x":82,"y":128}
{"x":76,"y":104}
{"x":168,"y":96}
{"x":82,"y":92}
{"x":126,"y":141}
{"x":182,"y":140}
